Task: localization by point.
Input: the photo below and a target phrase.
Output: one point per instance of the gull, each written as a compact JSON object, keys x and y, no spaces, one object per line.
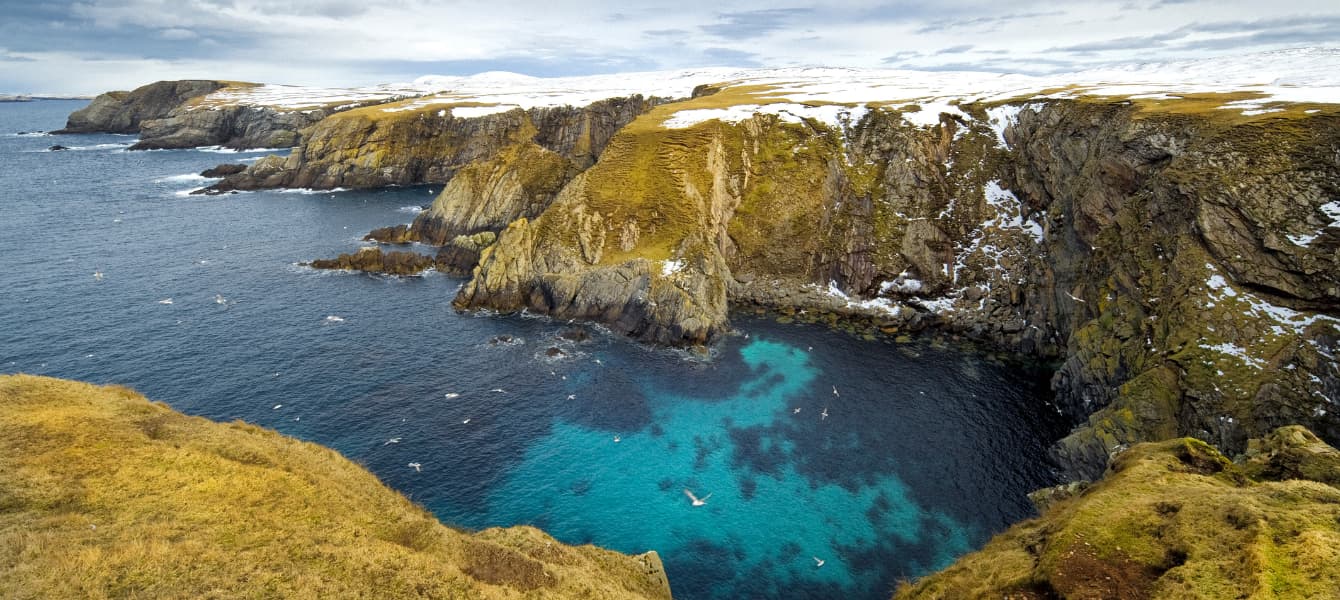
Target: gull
{"x":165,"y":301}
{"x":809,"y":348}
{"x":696,"y":500}
{"x":499,"y":390}
{"x":598,"y":362}
{"x":416,"y":467}
{"x":572,"y":396}
{"x":835,"y":391}
{"x":391,"y":441}
{"x":818,"y":562}
{"x":465,"y":422}
{"x":796,"y":411}
{"x":618,"y":439}
{"x":451,"y":395}
{"x":823,"y":415}
{"x":97,"y":275}
{"x":278,"y":406}
{"x":1072,"y":297}
{"x":334,"y":319}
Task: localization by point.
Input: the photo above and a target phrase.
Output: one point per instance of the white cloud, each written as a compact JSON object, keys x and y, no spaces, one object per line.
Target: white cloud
{"x":368,"y":41}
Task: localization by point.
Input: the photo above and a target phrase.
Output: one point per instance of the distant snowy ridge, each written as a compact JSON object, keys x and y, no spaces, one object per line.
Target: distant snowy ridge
{"x":1309,"y":75}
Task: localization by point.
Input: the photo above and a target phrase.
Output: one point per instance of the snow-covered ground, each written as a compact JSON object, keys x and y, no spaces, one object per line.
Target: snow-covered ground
{"x":1303,"y":75}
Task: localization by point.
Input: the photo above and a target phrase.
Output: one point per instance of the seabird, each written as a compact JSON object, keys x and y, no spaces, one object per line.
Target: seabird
{"x":278,"y":406}
{"x":465,"y":421}
{"x":572,"y":396}
{"x":617,"y":439}
{"x":696,"y":500}
{"x":452,"y":395}
{"x":835,"y":391}
{"x":823,"y":415}
{"x":417,"y":469}
{"x":818,"y":562}
{"x":796,"y":411}
{"x":165,"y":301}
{"x":499,"y":390}
{"x":334,"y":319}
{"x":97,"y":275}
{"x":391,"y":441}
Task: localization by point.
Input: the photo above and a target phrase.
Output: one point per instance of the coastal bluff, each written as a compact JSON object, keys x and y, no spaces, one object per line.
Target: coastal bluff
{"x":104,"y":494}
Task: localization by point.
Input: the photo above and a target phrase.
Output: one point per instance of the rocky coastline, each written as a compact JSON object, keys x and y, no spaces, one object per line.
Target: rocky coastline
{"x":1150,"y":249}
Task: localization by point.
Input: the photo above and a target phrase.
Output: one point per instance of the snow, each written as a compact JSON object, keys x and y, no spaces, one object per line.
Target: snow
{"x":1000,"y":117}
{"x":470,"y":112}
{"x":1006,"y":204}
{"x":1235,"y":351}
{"x":670,"y":267}
{"x":832,"y":115}
{"x":1300,"y":75}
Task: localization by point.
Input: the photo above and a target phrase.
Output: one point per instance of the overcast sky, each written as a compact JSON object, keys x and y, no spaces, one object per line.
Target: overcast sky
{"x":90,"y":46}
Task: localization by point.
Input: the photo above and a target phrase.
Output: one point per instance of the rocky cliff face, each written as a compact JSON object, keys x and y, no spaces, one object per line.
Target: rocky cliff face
{"x":239,"y":127}
{"x":398,"y":144}
{"x":1172,"y":520}
{"x":1180,"y":266}
{"x":124,"y":112}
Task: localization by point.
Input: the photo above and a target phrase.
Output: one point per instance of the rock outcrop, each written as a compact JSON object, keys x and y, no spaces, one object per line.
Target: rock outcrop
{"x":1174,"y":519}
{"x":399,"y":144}
{"x":100,"y":482}
{"x":125,"y":112}
{"x":237,"y":127}
{"x":371,"y":259}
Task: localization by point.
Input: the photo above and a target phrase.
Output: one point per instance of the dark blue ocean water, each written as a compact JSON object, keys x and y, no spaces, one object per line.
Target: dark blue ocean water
{"x":924,"y":454}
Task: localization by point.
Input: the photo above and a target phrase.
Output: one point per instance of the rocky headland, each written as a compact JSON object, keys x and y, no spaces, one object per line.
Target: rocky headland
{"x":1172,"y":248}
{"x":1175,"y":520}
{"x":104,"y":494}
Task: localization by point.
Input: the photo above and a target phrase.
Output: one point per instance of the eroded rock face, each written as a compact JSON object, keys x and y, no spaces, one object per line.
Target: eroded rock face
{"x":372,"y":147}
{"x":239,"y":127}
{"x":124,"y":112}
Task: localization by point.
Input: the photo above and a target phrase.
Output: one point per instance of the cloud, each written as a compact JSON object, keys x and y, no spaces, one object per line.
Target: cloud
{"x":177,"y":33}
{"x":960,"y":49}
{"x":731,"y":58}
{"x":986,"y":23}
{"x":754,"y":23}
{"x":900,"y":57}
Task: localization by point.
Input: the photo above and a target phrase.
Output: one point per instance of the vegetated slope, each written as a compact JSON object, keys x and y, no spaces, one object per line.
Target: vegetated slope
{"x":1172,"y":520}
{"x":104,"y":494}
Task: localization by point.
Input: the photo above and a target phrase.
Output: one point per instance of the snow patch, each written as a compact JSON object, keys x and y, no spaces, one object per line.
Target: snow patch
{"x":833,"y":116}
{"x":670,"y":267}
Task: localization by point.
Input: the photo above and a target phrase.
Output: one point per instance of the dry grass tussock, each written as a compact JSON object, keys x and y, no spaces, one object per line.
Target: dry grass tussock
{"x":104,"y":494}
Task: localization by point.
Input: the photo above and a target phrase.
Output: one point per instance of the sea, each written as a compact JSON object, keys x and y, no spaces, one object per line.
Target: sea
{"x":824,"y":465}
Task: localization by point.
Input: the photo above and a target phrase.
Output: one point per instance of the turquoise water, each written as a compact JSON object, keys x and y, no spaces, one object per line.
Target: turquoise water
{"x":926,"y":451}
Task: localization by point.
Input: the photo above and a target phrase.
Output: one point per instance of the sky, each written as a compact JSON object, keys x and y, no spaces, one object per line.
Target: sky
{"x":91,"y":46}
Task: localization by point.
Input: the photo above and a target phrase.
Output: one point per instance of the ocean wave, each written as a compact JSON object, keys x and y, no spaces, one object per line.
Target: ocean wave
{"x":116,"y":146}
{"x":306,"y":191}
{"x":414,"y":210}
{"x":185,"y":178}
{"x":223,"y":150}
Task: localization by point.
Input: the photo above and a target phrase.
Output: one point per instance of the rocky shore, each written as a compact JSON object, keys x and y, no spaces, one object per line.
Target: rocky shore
{"x":1175,"y":256}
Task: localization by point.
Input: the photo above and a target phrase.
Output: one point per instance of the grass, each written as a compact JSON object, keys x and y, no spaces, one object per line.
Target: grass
{"x":104,"y":494}
{"x":1172,"y":519}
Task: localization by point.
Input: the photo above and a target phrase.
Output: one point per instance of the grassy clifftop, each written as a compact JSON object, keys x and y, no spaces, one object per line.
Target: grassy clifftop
{"x":1173,"y":519}
{"x":104,"y":494}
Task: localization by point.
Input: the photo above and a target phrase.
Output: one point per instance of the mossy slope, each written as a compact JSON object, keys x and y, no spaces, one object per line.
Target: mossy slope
{"x":104,"y":494}
{"x":1173,"y":519}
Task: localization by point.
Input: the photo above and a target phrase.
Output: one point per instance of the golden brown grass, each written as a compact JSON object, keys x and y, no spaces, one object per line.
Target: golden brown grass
{"x":1171,"y":520}
{"x":104,"y":494}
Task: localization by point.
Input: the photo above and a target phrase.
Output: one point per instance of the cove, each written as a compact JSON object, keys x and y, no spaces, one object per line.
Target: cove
{"x":926,"y":451}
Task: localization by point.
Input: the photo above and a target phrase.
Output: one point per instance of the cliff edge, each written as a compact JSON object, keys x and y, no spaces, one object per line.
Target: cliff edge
{"x":105,"y":494}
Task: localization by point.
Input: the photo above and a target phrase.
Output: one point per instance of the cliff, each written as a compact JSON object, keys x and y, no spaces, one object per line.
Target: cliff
{"x":1173,"y":519}
{"x":105,"y":494}
{"x":124,"y":112}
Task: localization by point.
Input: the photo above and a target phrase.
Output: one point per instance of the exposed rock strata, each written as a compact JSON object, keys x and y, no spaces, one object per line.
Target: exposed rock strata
{"x":379,"y":146}
{"x":1174,"y":519}
{"x":124,"y":112}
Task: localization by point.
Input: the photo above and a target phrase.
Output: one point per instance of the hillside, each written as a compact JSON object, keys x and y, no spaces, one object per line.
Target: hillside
{"x":104,"y":494}
{"x":1172,"y":520}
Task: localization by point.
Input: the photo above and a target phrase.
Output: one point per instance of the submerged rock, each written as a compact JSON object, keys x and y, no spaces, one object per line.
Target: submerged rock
{"x":372,"y":260}
{"x":223,"y":170}
{"x":57,"y":148}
